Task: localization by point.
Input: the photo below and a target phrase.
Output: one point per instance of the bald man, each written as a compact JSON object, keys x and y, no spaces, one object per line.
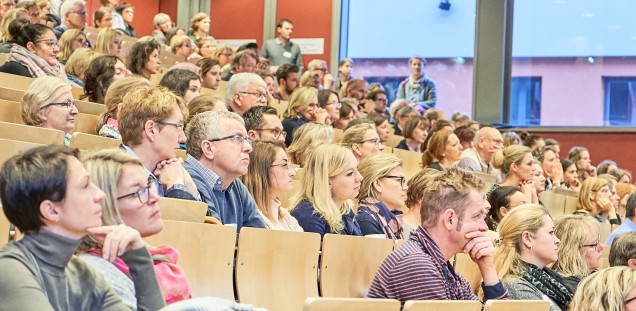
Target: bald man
{"x":477,"y":159}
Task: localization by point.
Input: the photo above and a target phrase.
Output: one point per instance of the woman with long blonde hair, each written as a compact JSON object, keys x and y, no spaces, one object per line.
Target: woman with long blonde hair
{"x":109,"y":42}
{"x":303,"y":107}
{"x":307,"y":137}
{"x":611,"y":289}
{"x":595,"y":200}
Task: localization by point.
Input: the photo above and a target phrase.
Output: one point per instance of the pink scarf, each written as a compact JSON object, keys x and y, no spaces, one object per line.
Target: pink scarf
{"x":37,"y":66}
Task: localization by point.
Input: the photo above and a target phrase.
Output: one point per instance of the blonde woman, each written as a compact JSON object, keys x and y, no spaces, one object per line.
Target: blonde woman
{"x":515,"y":164}
{"x":181,"y":46}
{"x":303,"y":107}
{"x":382,"y":193}
{"x":78,"y":63}
{"x":11,"y":15}
{"x":580,"y":248}
{"x":223,"y":54}
{"x":611,"y":289}
{"x":363,"y":140}
{"x":268,"y":177}
{"x":109,"y":42}
{"x":108,"y":125}
{"x":443,"y":150}
{"x":307,"y":137}
{"x":324,"y":203}
{"x":595,"y":200}
{"x":70,"y":41}
{"x":527,"y":246}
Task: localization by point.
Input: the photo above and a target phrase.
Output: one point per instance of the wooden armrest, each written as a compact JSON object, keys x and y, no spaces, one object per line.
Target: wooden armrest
{"x":212,"y":220}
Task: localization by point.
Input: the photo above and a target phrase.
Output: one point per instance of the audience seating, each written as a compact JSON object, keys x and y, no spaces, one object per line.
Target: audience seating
{"x":351,"y":304}
{"x":7,"y":93}
{"x":337,"y":135}
{"x":398,"y":243}
{"x":393,"y":140}
{"x":86,"y":123}
{"x":525,"y":305}
{"x":412,"y":161}
{"x":606,"y":230}
{"x":566,"y":192}
{"x":442,"y":305}
{"x":469,"y":270}
{"x":280,"y":106}
{"x":3,"y":58}
{"x":10,"y":148}
{"x":32,"y":134}
{"x":555,"y":202}
{"x":22,"y":83}
{"x":349,"y":264}
{"x":93,"y":142}
{"x":10,"y":111}
{"x":183,"y":210}
{"x":277,"y":270}
{"x":605,"y":256}
{"x":15,"y":95}
{"x":571,"y":204}
{"x":206,"y":254}
{"x":489,"y":179}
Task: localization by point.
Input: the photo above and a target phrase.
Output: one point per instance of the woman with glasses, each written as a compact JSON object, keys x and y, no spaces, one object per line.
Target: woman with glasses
{"x":100,"y":74}
{"x":415,"y":132}
{"x":382,"y":195}
{"x":363,"y":140}
{"x":303,"y":107}
{"x":224,"y":55}
{"x":109,"y":42}
{"x":308,"y":137}
{"x":502,"y":200}
{"x":48,"y":103}
{"x":328,"y":100}
{"x":526,"y":247}
{"x":580,"y":248}
{"x":595,"y":199}
{"x":70,"y":41}
{"x":610,"y":289}
{"x":182,"y":46}
{"x":269,"y":176}
{"x":443,"y":150}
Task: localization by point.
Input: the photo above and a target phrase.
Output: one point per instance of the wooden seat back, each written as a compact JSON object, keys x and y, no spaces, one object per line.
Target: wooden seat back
{"x":351,"y":304}
{"x":183,"y":210}
{"x":525,"y":305}
{"x":31,"y":134}
{"x":442,"y":305}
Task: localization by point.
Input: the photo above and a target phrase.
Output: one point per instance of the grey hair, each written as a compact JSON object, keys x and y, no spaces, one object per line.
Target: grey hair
{"x":160,"y":18}
{"x":206,"y":125}
{"x":239,"y":83}
{"x":69,"y":5}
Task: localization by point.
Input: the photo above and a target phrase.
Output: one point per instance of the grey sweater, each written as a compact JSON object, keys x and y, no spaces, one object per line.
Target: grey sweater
{"x":520,"y":289}
{"x":57,"y":280}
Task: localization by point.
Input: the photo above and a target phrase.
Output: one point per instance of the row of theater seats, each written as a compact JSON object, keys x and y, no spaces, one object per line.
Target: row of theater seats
{"x":353,"y":304}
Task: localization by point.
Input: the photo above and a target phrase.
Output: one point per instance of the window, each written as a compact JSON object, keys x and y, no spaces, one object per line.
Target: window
{"x":525,"y":102}
{"x":619,"y":101}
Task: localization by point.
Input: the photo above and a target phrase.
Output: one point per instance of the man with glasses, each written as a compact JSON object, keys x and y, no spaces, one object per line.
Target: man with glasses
{"x":218,"y":154}
{"x":477,"y":159}
{"x":245,"y":91}
{"x":244,"y":61}
{"x":262,"y":123}
{"x":288,"y":81}
{"x":380,"y":101}
{"x":73,"y":13}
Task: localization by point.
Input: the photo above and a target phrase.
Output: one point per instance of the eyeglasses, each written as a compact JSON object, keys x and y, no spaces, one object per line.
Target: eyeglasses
{"x":594,"y":245}
{"x":257,"y":94}
{"x":276,"y":132}
{"x":496,"y":141}
{"x":376,"y":141}
{"x":286,"y":165}
{"x":312,"y":106}
{"x":602,"y":190}
{"x":49,"y":42}
{"x":236,"y":138}
{"x":79,"y":12}
{"x":142,"y":194}
{"x":178,"y":126}
{"x":69,"y":104}
{"x":402,"y":179}
{"x":335,"y":104}
{"x":630,"y":300}
{"x":83,"y":42}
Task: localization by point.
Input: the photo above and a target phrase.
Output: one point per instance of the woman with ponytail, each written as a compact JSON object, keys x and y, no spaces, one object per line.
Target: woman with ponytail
{"x":515,"y":164}
{"x":443,"y":150}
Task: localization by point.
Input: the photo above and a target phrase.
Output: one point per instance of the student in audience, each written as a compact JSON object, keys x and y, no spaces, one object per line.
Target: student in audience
{"x":580,"y":248}
{"x":181,"y":46}
{"x":418,"y":89}
{"x":109,"y":42}
{"x":11,"y":15}
{"x":415,"y":131}
{"x":539,"y":180}
{"x":459,"y":119}
{"x":176,"y":31}
{"x":269,"y":80}
{"x":347,"y":114}
{"x":199,"y":26}
{"x":402,"y":115}
{"x":380,"y":101}
{"x":102,"y":71}
{"x":206,"y":47}
{"x":595,"y":200}
{"x":629,"y":222}
{"x":532,"y":141}
{"x":70,"y":41}
{"x":310,"y":79}
{"x":143,"y":58}
{"x":224,"y":55}
{"x":623,"y":191}
{"x":210,"y":73}
{"x":288,"y":80}
{"x":269,"y":176}
{"x":581,"y":158}
{"x":610,"y":289}
{"x":623,"y":250}
{"x":203,"y":103}
{"x":606,"y":166}
{"x":46,"y":14}
{"x":550,"y":165}
{"x":488,"y":140}
{"x":382,"y":126}
{"x":262,"y":123}
{"x":381,"y":196}
{"x":218,"y":154}
{"x":78,"y":63}
{"x":325,"y":79}
{"x":344,"y":73}
{"x":303,"y":107}
{"x":356,"y":88}
{"x":118,"y":21}
{"x":555,"y":145}
{"x":434,"y":116}
{"x":415,"y":189}
{"x":363,"y":140}
{"x":162,"y":24}
{"x":527,"y":247}
{"x":127,"y":13}
{"x":466,"y":136}
{"x":244,"y":61}
{"x":515,"y":164}
{"x":622,"y":176}
{"x":474,"y":125}
{"x":502,"y":200}
{"x":324,"y":202}
{"x":244,"y":91}
{"x":103,"y":18}
{"x":328,"y":100}
{"x":443,"y":150}
{"x":452,"y":216}
{"x":183,"y":83}
{"x":570,"y":176}
{"x":47,"y":194}
{"x":108,"y":126}
{"x":306,"y":139}
{"x":511,"y":138}
{"x":48,"y":103}
{"x":151,"y":128}
{"x":73,"y":14}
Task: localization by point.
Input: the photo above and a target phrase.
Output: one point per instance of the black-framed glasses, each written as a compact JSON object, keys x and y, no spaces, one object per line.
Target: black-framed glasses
{"x":594,"y":245}
{"x":176,"y":125}
{"x":49,"y":42}
{"x":69,"y":104}
{"x":401,"y":179}
{"x":257,"y":94}
{"x":286,"y":165}
{"x":630,"y":300}
{"x":142,"y":194}
{"x":236,"y":138}
{"x":276,"y":132}
{"x":376,"y":141}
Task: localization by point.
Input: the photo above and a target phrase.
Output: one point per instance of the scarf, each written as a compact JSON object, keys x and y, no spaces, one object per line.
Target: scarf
{"x":37,"y":66}
{"x":378,"y":211}
{"x":549,"y":283}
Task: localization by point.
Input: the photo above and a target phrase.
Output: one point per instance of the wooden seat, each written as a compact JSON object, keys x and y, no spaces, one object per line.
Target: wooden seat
{"x":566,"y":192}
{"x":412,"y":161}
{"x":10,"y":148}
{"x":93,"y":142}
{"x":398,"y":243}
{"x":393,"y":140}
{"x":277,"y":270}
{"x":442,"y":305}
{"x":86,"y":123}
{"x":10,"y":111}
{"x":555,"y":202}
{"x":182,"y":210}
{"x":525,"y":305}
{"x":31,"y":134}
{"x":604,"y":256}
{"x":467,"y":268}
{"x":606,"y":230}
{"x":206,"y":254}
{"x":11,"y":94}
{"x":351,"y":304}
{"x":571,"y":204}
{"x":349,"y":264}
{"x":280,"y":106}
{"x":17,"y":82}
{"x":337,"y":135}
{"x":89,"y":107}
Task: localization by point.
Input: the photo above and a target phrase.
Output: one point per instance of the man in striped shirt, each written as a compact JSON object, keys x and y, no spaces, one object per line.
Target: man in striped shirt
{"x":453,"y":211}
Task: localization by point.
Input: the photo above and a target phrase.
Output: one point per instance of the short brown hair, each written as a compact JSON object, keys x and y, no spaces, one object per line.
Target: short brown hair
{"x":623,"y":249}
{"x":411,"y":123}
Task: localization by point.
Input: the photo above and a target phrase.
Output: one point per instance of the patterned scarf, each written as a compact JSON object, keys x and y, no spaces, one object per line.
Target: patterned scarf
{"x":549,"y":283}
{"x":37,"y":66}
{"x":378,"y":211}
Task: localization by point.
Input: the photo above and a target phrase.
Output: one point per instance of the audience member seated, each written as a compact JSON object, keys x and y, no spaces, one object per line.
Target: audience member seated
{"x":538,"y":178}
{"x":70,"y":41}
{"x":9,"y":16}
{"x":551,"y":166}
{"x":324,"y":203}
{"x":628,"y":224}
{"x":466,"y":136}
{"x":459,"y":119}
{"x":46,"y":15}
{"x":48,"y":103}
{"x":595,"y":200}
{"x":580,"y":248}
{"x":243,"y":62}
{"x":434,"y":116}
{"x":527,"y":247}
{"x":205,"y":48}
{"x":183,"y":83}
{"x":363,"y":140}
{"x":244,"y":91}
{"x":515,"y":164}
{"x":310,"y":79}
{"x":380,"y":102}
{"x":622,"y":176}
{"x":127,"y":13}
{"x":78,"y":63}
{"x":108,"y":126}
{"x":488,"y":140}
{"x":269,"y":176}
{"x":532,"y":141}
{"x":607,"y":290}
{"x":306,"y":139}
{"x":210,"y":73}
{"x":32,"y":9}
{"x":181,"y":46}
{"x":151,"y":128}
{"x":623,"y":250}
{"x":344,"y":73}
{"x":288,"y":81}
{"x":382,"y":194}
{"x":303,"y":107}
{"x":47,"y":194}
{"x":555,"y":145}
{"x":606,"y":166}
{"x":328,"y":100}
{"x":356,"y":88}
{"x":347,"y":114}
{"x":502,"y":200}
{"x":443,"y":150}
{"x":205,"y":103}
{"x":570,"y":176}
{"x":581,"y":158}
{"x":623,"y":191}
{"x":270,"y":82}
{"x":199,"y":26}
{"x":143,"y":58}
{"x":103,"y":18}
{"x":73,"y":14}
{"x":224,"y":55}
{"x":415,"y":131}
{"x":117,"y":21}
{"x":511,"y":138}
{"x":100,"y":74}
{"x":474,"y":125}
{"x":176,"y":31}
{"x":381,"y":125}
{"x":415,"y":187}
{"x":325,"y":79}
{"x":402,"y":115}
{"x":453,"y":211}
{"x":162,"y":24}
{"x":262,"y":123}
{"x":109,"y":42}
{"x":218,"y":154}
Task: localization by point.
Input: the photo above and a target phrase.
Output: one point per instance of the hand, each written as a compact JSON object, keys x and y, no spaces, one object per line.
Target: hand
{"x":328,"y":82}
{"x":605,"y":205}
{"x":170,"y":172}
{"x":481,"y":250}
{"x":189,"y":183}
{"x":322,"y":116}
{"x":116,"y":240}
{"x":575,"y":184}
{"x":557,"y":173}
{"x":528,"y":188}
